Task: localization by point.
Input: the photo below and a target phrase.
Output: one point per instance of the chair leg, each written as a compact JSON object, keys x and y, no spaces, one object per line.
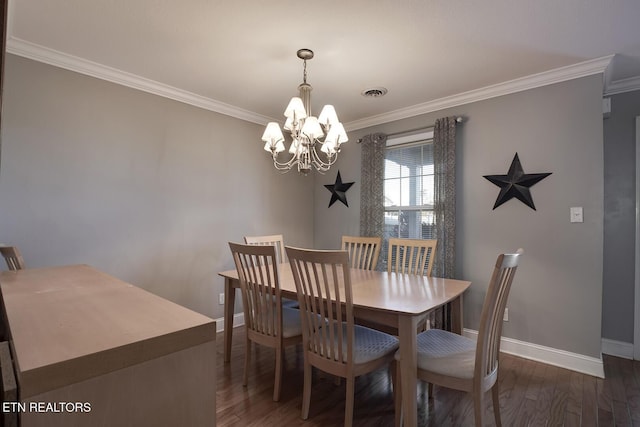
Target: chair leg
{"x":397,"y":392}
{"x":278,"y":380}
{"x":306,"y":389}
{"x":478,"y":406}
{"x":429,"y":390}
{"x":495,"y":391}
{"x":247,"y":352}
{"x":348,"y":405}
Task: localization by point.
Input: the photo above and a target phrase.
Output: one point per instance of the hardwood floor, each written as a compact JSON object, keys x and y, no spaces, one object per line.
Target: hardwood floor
{"x":531,"y":394}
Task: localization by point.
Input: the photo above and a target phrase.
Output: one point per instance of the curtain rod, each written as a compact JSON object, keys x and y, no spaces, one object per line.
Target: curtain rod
{"x":459,"y":120}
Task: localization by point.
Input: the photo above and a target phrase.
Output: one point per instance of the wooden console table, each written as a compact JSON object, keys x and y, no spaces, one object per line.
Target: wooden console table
{"x":121,"y":355}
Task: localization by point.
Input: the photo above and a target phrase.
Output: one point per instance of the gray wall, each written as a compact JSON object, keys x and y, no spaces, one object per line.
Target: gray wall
{"x":556,"y":300}
{"x":150,"y":190}
{"x":147,"y":189}
{"x":619,"y":217}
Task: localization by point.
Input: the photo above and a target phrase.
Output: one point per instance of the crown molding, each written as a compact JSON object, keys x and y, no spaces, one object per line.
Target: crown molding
{"x":621,"y":86}
{"x":45,"y":55}
{"x":73,"y":63}
{"x":570,"y":72}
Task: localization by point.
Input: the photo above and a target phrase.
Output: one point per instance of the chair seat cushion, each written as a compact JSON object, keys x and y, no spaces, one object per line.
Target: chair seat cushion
{"x":369,"y":344}
{"x":446,"y":353}
{"x":289,"y":303}
{"x":291,"y":325}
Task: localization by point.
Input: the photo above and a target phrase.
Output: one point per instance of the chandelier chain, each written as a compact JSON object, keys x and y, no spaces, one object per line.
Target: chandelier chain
{"x":304,"y":67}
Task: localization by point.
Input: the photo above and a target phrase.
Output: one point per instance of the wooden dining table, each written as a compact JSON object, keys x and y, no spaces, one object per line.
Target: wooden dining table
{"x":399,"y":301}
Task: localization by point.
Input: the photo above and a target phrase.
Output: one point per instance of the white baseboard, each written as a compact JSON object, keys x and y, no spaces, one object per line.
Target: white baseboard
{"x":617,"y":348}
{"x":552,"y":356}
{"x":238,"y":320}
{"x":539,"y":353}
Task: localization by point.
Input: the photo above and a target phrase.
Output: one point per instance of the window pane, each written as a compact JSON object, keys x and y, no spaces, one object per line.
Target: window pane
{"x":427,"y":190}
{"x":395,"y":224}
{"x":428,"y":225}
{"x":392,"y":167}
{"x":406,"y":196}
{"x":392,"y":192}
{"x":411,"y":159}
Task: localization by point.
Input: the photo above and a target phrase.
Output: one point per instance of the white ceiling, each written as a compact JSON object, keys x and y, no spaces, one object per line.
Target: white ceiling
{"x":240,"y":56}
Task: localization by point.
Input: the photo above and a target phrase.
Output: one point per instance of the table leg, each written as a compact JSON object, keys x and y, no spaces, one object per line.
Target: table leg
{"x":456,"y":315}
{"x":229,"y":304}
{"x":408,"y":368}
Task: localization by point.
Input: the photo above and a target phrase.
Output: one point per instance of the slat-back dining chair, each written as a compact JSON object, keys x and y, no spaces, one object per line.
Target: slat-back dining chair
{"x":276,"y":240}
{"x":9,"y":385}
{"x":363,"y":251}
{"x":12,"y":257}
{"x":412,"y":256}
{"x":457,"y":362}
{"x":267,"y":322}
{"x":331,"y":341}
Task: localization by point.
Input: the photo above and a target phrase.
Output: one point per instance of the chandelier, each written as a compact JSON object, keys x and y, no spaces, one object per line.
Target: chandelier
{"x":306,"y":131}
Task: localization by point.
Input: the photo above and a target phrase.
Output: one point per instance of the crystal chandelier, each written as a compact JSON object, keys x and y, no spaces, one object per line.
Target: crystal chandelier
{"x":306,"y":132}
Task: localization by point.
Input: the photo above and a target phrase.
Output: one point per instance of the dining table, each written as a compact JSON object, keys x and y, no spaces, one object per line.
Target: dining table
{"x":394,"y":300}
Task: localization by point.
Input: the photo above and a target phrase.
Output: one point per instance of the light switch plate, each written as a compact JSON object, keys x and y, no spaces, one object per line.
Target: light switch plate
{"x":576,"y":214}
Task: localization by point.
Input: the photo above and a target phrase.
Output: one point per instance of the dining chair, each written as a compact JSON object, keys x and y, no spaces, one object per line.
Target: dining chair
{"x":331,"y":341}
{"x":267,"y":322}
{"x":412,"y":256}
{"x":276,"y":240}
{"x":13,"y":257}
{"x":363,"y":251}
{"x":9,"y":385}
{"x":457,"y":362}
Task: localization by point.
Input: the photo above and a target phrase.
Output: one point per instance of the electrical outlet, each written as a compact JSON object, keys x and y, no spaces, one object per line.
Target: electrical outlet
{"x":506,"y":315}
{"x":221,"y":299}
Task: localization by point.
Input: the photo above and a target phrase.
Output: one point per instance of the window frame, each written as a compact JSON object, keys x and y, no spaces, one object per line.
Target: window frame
{"x":405,"y":141}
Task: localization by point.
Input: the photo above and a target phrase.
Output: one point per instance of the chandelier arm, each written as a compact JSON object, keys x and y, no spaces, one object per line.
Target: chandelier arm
{"x":284,"y":165}
{"x":317,"y":161}
{"x":322,"y":168}
{"x":321,"y":164}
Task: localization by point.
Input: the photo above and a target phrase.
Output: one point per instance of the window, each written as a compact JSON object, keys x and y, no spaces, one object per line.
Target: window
{"x":409,"y":188}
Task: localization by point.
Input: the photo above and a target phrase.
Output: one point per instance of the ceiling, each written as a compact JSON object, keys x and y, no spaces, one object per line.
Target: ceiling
{"x":239,"y":57}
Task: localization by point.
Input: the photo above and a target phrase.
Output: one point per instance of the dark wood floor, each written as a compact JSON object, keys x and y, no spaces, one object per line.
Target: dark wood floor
{"x":531,"y":394}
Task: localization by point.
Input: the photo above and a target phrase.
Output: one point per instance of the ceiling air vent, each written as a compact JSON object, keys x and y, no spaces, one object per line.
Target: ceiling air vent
{"x":374,"y":92}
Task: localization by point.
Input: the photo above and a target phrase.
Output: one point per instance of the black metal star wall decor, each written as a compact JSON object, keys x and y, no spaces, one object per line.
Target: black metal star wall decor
{"x":339,"y":190}
{"x":516,"y":184}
